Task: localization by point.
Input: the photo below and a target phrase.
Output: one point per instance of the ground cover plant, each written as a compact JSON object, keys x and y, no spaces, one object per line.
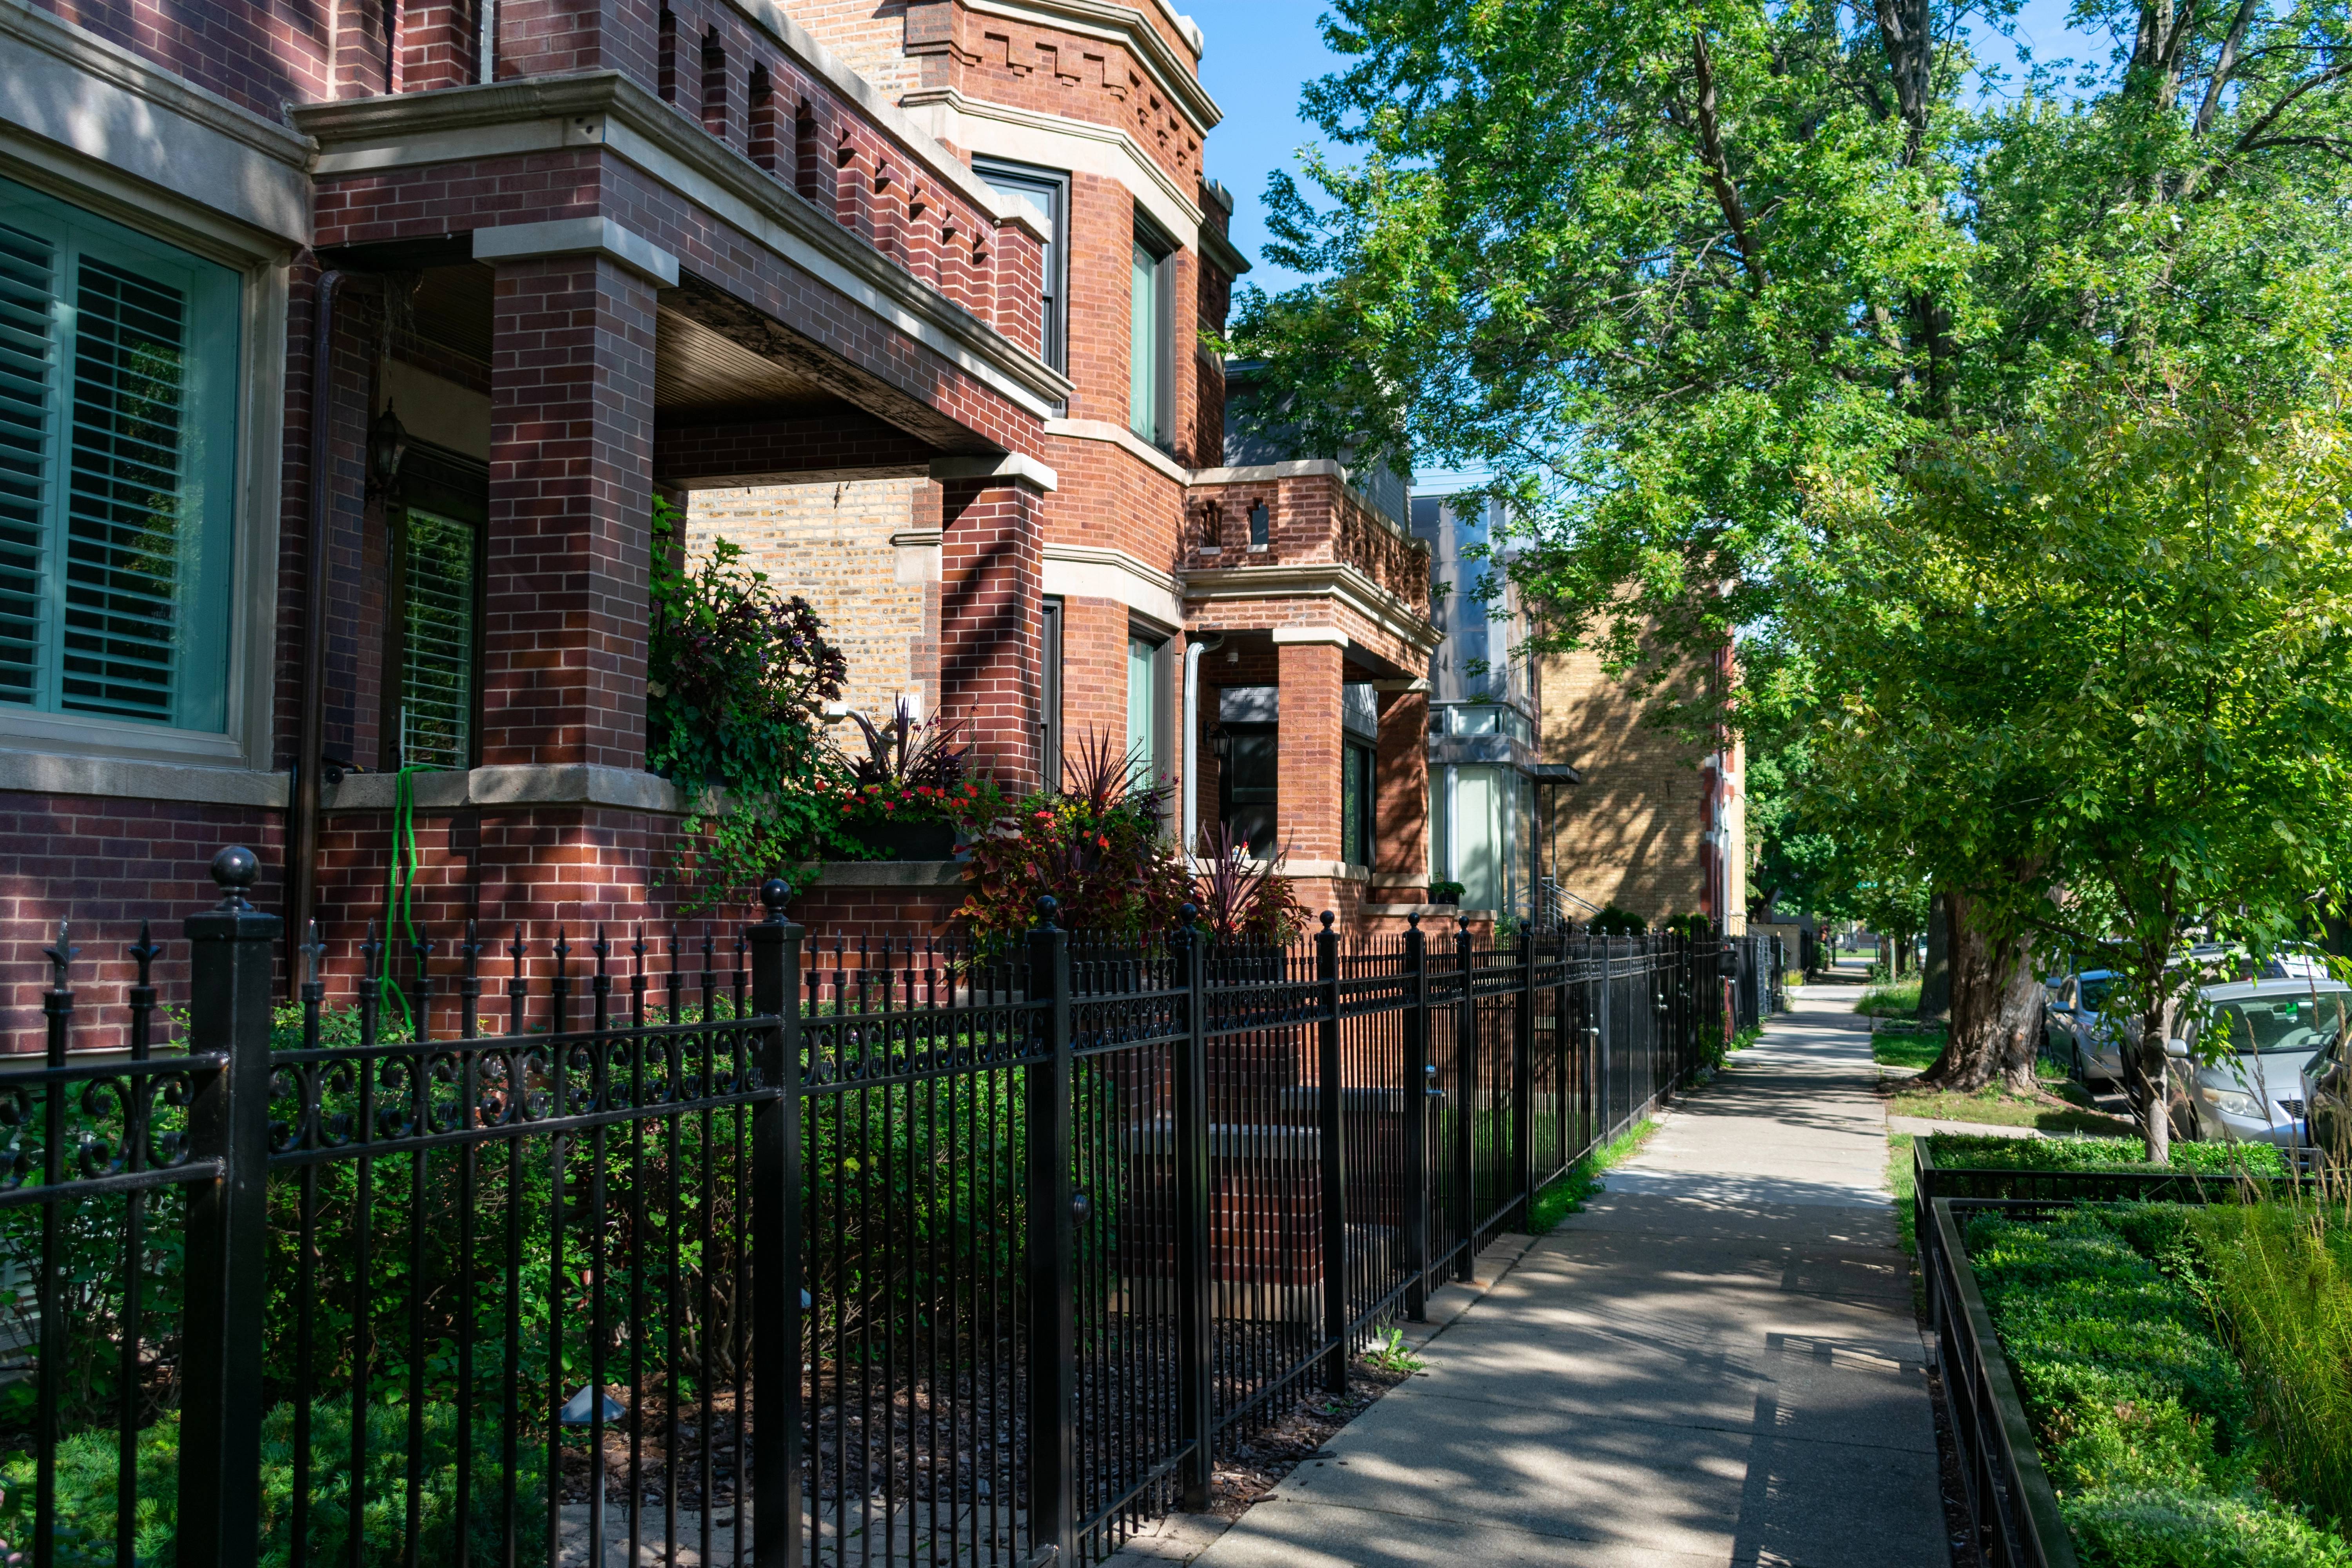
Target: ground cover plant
{"x":1984,"y":1152}
{"x":2148,"y":1427}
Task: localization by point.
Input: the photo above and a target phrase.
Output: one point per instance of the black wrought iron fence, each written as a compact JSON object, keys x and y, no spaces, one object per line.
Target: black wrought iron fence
{"x":742,"y":1244}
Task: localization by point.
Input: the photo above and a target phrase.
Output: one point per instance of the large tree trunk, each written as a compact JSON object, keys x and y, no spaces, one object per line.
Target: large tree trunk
{"x":1936,"y":978}
{"x":1995,"y":1006}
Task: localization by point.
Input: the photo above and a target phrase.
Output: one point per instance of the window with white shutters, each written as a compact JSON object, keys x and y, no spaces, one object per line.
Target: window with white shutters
{"x":117,"y":455}
{"x":435,"y":648}
{"x":436,"y":678}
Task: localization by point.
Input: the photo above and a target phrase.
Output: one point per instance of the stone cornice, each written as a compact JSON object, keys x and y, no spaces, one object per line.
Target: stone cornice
{"x":521,"y":787}
{"x":98,"y":100}
{"x":1334,"y":579}
{"x":606,"y":110}
{"x":1125,"y":25}
{"x":1120,"y":436}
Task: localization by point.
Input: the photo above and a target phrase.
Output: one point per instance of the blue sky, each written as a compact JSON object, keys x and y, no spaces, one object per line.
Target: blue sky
{"x":1260,"y":52}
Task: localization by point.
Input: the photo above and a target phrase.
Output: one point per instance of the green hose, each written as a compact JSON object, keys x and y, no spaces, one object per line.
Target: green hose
{"x":400,"y":889}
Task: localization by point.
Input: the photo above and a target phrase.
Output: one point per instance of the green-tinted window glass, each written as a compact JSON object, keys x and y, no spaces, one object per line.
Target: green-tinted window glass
{"x":1147,"y":338}
{"x":1145,"y":707}
{"x":118,"y":440}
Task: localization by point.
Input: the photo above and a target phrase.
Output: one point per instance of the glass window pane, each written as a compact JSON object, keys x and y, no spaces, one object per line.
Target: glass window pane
{"x":115,"y":494}
{"x":1143,"y":361}
{"x":1143,"y":703}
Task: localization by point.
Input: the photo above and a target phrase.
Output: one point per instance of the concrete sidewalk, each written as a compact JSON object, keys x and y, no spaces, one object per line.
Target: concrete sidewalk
{"x":1716,"y":1362}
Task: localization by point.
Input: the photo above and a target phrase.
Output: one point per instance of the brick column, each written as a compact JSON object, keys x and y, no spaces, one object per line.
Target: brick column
{"x":991,"y":581}
{"x":571,"y":423}
{"x":1306,"y":800}
{"x":1401,"y":781}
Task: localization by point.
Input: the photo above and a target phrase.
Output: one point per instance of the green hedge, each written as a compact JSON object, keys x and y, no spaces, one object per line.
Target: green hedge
{"x":1955,"y":1151}
{"x":2145,"y":1423}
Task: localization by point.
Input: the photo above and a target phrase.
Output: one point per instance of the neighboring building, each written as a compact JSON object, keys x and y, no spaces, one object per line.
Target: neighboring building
{"x":1489,"y":784}
{"x":907,"y":296}
{"x":1654,"y":826}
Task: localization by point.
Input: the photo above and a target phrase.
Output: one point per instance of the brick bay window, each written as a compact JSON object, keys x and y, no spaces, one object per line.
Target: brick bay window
{"x":118,"y":460}
{"x":437,"y":526}
{"x":1151,"y":391}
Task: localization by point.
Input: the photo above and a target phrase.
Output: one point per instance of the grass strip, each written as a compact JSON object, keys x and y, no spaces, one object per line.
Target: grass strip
{"x":1569,"y":1190}
{"x":1899,"y":1000}
{"x":1906,"y":1183}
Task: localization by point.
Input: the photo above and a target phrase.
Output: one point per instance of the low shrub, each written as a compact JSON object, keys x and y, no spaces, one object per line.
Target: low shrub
{"x":1977,"y":1151}
{"x":87,"y":1478}
{"x":2147,"y":1424}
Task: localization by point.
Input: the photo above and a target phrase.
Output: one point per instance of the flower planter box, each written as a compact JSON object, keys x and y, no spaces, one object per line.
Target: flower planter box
{"x":907,"y":840}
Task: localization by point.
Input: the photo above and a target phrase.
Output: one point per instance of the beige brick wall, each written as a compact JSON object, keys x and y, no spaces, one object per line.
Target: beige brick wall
{"x":831,"y":544}
{"x":1630,"y":833}
{"x":869,"y":37}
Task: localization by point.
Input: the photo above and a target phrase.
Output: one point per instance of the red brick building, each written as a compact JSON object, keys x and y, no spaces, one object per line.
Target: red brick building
{"x":579,"y":251}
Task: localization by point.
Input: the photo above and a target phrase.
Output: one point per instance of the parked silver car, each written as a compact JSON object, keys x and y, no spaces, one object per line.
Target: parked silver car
{"x":2073,"y":1031}
{"x":2277,"y":1037}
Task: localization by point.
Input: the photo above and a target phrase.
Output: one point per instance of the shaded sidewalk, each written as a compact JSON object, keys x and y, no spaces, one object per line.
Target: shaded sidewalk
{"x":1716,"y":1362}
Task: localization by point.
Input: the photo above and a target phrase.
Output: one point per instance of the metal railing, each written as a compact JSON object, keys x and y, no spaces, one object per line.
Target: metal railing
{"x":749,"y":1245}
{"x":2012,"y":1508}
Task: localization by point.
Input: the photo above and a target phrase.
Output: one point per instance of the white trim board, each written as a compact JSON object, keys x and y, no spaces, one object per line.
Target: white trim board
{"x":1085,"y":571}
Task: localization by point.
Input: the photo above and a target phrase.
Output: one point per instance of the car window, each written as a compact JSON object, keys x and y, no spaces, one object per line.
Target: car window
{"x":2270,"y":1025}
{"x":2094,"y":994}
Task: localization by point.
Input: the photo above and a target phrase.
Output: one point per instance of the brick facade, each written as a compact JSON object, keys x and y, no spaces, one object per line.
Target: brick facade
{"x":720,"y":206}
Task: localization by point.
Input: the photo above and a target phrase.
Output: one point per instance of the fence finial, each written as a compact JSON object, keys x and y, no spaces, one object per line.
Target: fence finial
{"x":235,"y":869}
{"x":61,"y":955}
{"x":1412,"y":918}
{"x":775,"y":893}
{"x":1328,"y":917}
{"x":1047,"y":905}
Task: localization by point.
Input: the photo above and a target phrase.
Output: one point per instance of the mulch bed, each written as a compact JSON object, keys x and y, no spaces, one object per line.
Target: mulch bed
{"x":1258,"y":1463}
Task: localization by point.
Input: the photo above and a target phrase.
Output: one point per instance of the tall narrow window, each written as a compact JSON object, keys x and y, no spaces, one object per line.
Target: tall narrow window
{"x":1147,"y":707}
{"x":117,"y":457}
{"x":1047,"y":190}
{"x":1049,"y":725}
{"x":1148,"y":326}
{"x":435,"y":588}
{"x":1356,"y":808}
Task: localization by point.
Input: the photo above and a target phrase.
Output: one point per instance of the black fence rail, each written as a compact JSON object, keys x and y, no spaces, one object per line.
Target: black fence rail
{"x":2013,"y":1510}
{"x":663,"y":1247}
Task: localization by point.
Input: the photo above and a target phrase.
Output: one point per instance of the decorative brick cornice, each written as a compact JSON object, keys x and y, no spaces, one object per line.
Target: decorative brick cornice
{"x":1177,"y":79}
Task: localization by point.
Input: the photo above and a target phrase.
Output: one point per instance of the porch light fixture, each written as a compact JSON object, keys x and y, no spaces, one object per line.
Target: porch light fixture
{"x":387,"y":447}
